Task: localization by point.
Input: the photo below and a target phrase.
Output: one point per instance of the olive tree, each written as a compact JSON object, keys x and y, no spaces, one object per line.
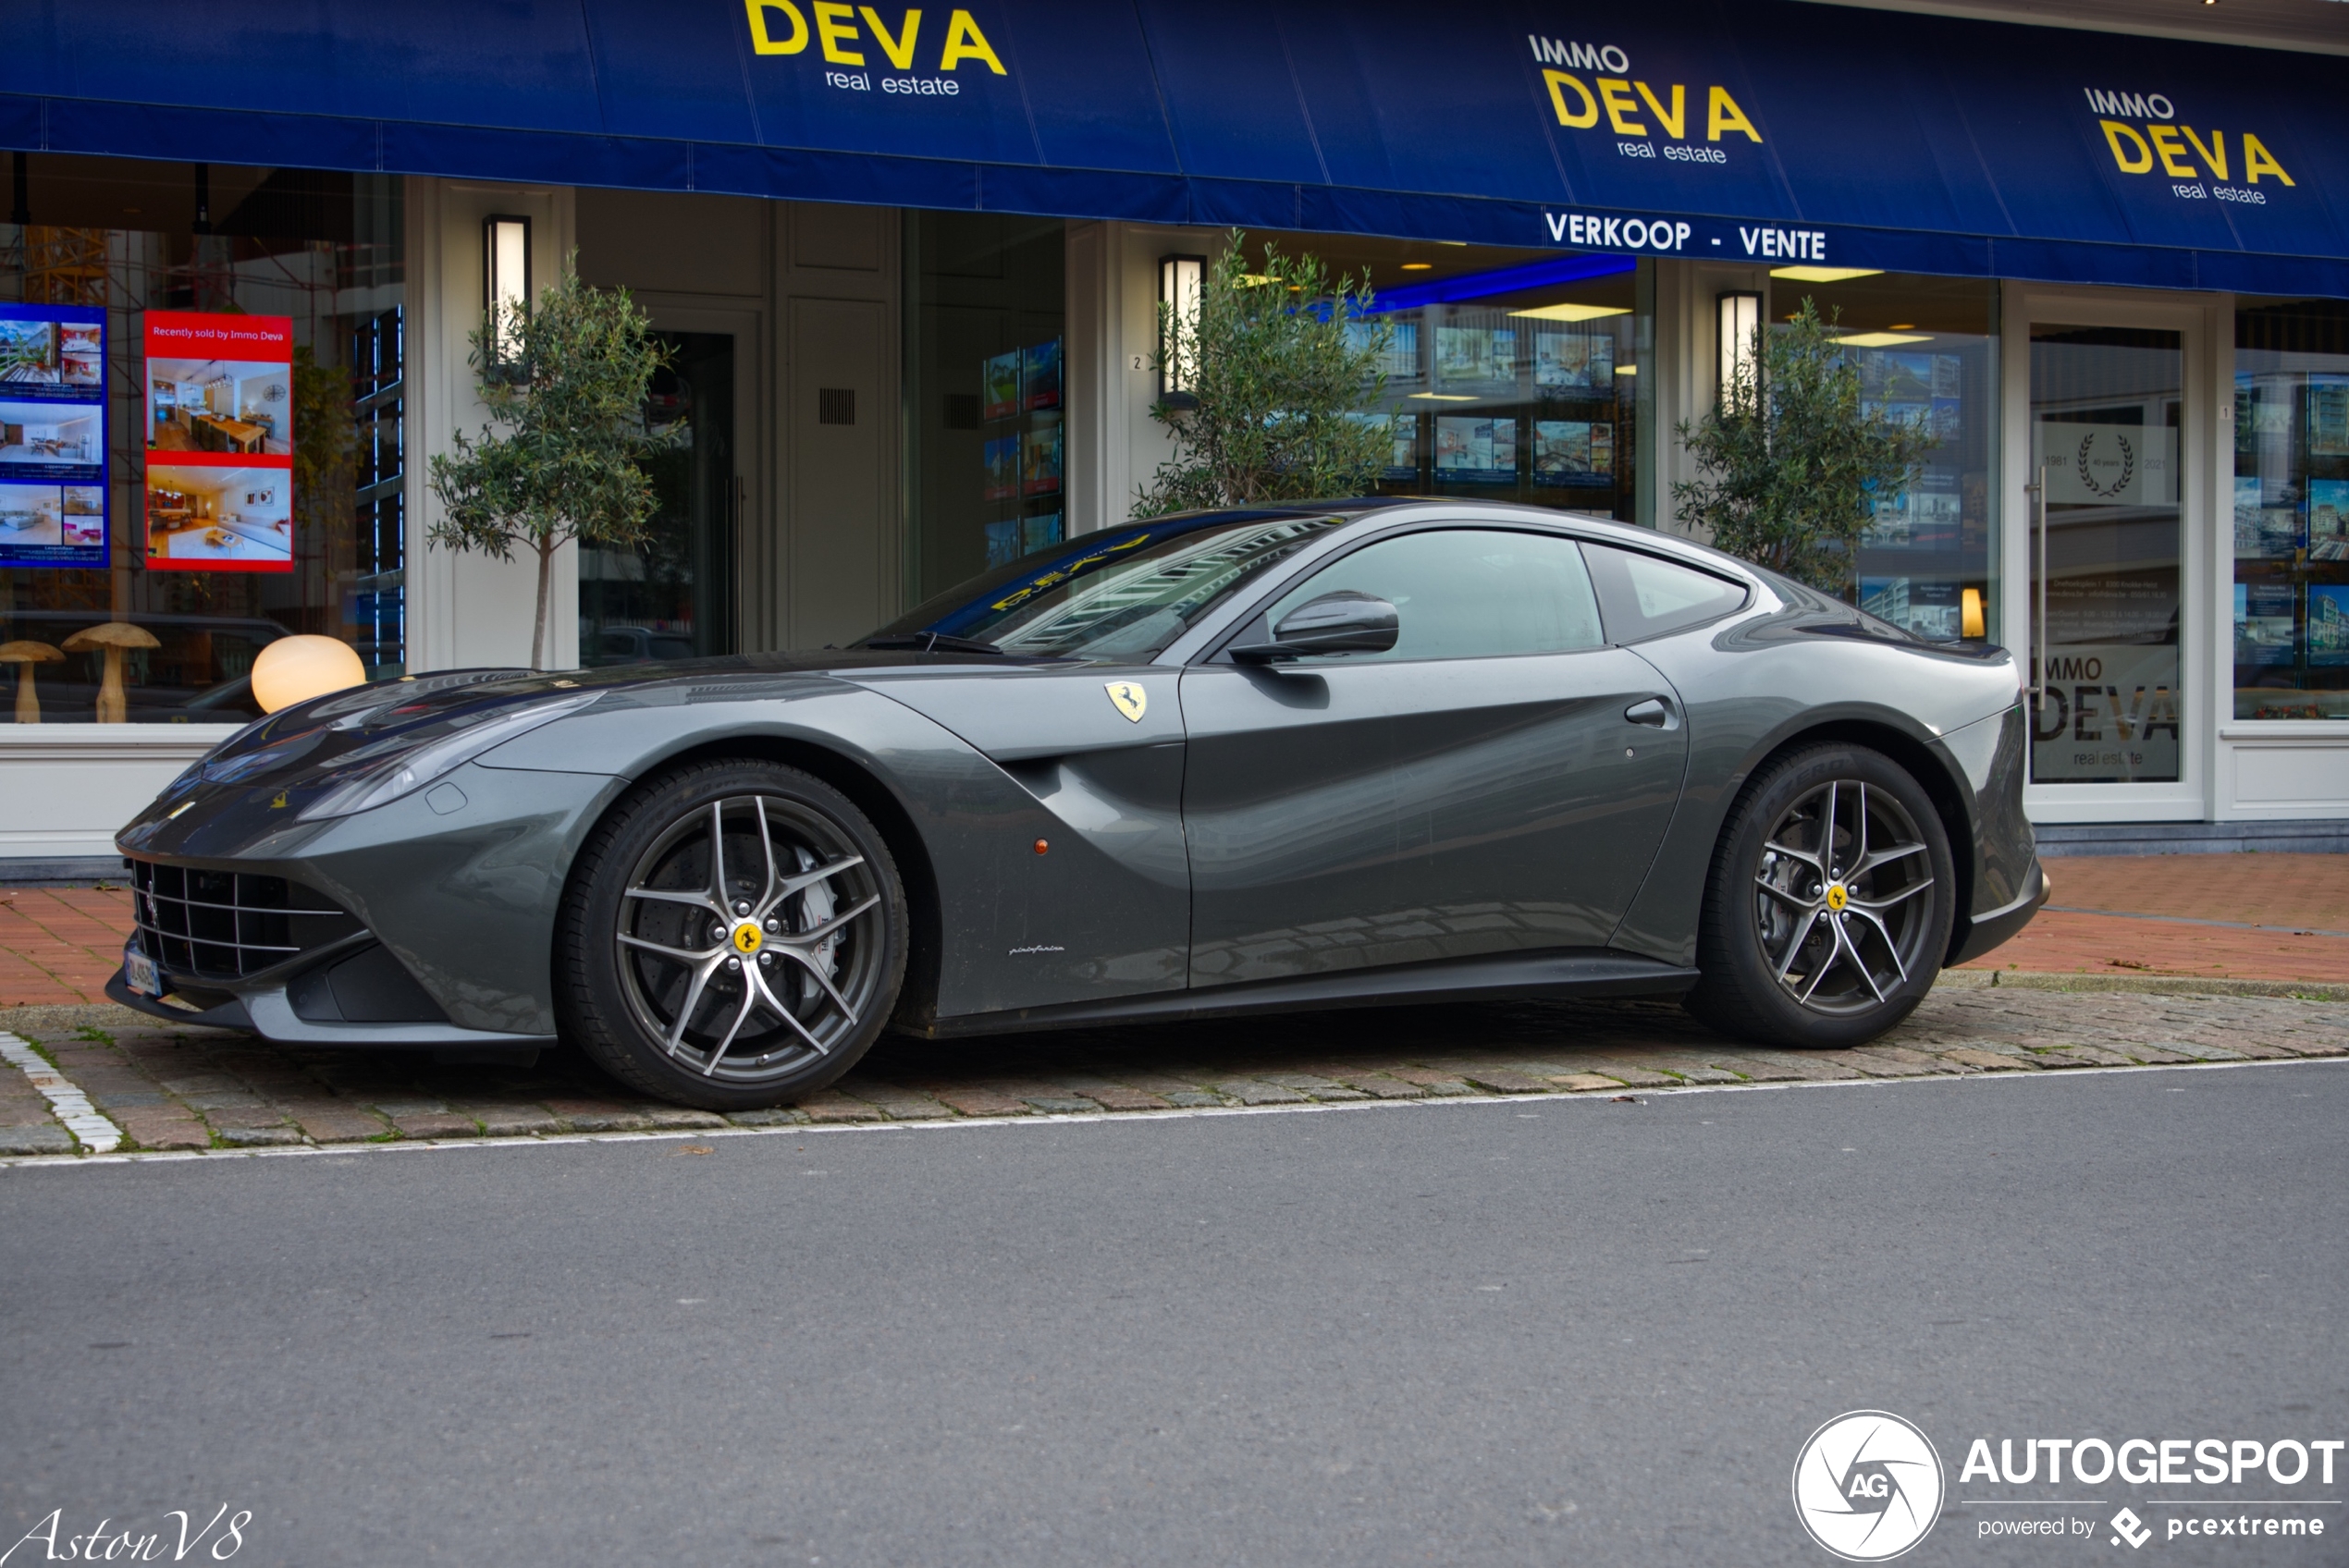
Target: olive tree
{"x":1792,"y":461}
{"x":564,"y":386}
{"x":1280,"y":369}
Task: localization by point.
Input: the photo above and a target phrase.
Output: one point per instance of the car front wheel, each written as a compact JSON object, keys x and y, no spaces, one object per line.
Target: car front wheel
{"x":1829,"y":909}
{"x":734,"y":937}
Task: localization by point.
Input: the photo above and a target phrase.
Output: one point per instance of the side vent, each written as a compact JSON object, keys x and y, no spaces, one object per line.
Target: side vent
{"x":835,"y":405}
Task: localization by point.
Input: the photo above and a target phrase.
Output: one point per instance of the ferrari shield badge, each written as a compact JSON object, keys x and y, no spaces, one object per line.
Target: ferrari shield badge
{"x":1131,"y":700}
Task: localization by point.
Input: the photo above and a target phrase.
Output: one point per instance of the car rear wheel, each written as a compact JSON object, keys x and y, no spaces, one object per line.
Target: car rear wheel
{"x":1829,"y":909}
{"x":734,"y":937}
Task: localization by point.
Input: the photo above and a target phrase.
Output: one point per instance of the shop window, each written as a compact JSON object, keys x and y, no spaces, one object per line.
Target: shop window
{"x":201,"y":400}
{"x":671,"y":596}
{"x":987,"y":456}
{"x":1511,"y":374}
{"x":2291,"y":509}
{"x":1927,"y":352}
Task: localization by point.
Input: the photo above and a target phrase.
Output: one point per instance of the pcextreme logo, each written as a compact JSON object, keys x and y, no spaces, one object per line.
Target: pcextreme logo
{"x":2143,"y":129}
{"x":1629,"y":104}
{"x":843,"y":33}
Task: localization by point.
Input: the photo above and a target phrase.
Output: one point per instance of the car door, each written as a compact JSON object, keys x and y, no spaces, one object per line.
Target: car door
{"x":1481,"y":788}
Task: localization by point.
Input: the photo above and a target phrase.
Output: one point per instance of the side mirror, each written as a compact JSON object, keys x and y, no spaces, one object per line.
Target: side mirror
{"x":1343,"y":622}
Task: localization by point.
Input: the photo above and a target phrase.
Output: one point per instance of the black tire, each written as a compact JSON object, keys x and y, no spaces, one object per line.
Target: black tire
{"x":1798,"y":948}
{"x":781,"y":987}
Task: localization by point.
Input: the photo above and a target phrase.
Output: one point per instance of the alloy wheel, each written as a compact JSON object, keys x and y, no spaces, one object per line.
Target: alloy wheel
{"x":1842,"y":898}
{"x":751,"y":939}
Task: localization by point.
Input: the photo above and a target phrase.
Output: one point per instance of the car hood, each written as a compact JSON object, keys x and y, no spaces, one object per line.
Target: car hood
{"x":309,"y":744}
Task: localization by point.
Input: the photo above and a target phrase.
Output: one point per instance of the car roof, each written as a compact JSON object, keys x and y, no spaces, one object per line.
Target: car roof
{"x":1399,"y":509}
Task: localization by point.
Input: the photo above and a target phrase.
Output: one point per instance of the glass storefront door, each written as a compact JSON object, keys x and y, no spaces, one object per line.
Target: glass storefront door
{"x":2106,"y":550}
{"x":673,"y":595}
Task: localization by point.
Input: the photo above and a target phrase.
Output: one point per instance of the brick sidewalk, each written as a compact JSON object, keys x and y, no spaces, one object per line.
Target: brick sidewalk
{"x":2278,"y":905}
{"x":212,"y":1090}
{"x":60,"y":946}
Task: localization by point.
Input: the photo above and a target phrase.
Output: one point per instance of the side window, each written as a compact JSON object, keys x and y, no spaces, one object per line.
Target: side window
{"x":1647,"y":596}
{"x":1467,"y":592}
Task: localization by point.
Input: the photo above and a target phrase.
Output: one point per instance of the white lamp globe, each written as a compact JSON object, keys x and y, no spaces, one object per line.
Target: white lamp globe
{"x":294,"y":670}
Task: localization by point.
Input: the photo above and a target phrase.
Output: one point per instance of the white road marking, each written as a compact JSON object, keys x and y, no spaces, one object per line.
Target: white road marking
{"x":347,"y":1152}
{"x":73,"y":1107}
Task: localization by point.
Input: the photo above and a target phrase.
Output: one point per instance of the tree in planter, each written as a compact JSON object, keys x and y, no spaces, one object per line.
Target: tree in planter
{"x":1281,"y":368}
{"x":1793,"y":463}
{"x":565,"y":387}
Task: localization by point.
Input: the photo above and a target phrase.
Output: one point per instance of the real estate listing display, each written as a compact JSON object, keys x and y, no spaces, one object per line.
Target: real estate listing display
{"x":53,"y":435}
{"x":2290,"y":526}
{"x":219,"y":415}
{"x":1023,"y":456}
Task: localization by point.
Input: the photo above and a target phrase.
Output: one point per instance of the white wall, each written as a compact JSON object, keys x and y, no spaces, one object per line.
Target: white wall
{"x":466,"y":609}
{"x":1113,"y":445}
{"x":70,"y":786}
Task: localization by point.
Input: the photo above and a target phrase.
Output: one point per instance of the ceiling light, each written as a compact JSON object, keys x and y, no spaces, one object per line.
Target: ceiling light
{"x":1573,"y":312}
{"x":1882,"y":339}
{"x":1444,"y":396}
{"x":1905,"y":326}
{"x":1825,"y":275}
{"x":1418,"y":266}
{"x":1627,"y":370}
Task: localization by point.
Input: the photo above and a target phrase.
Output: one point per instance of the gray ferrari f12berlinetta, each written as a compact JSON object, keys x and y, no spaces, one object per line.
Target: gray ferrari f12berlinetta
{"x":1298,"y":757}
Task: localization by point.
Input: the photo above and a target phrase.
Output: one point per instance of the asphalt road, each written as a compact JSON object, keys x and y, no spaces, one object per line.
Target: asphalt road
{"x":1566,"y":1331}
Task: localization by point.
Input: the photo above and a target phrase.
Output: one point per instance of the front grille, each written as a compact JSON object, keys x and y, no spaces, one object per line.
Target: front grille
{"x":227,"y":924}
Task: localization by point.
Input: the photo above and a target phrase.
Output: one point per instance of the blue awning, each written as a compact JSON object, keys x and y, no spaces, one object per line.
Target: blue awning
{"x":1793,"y":133}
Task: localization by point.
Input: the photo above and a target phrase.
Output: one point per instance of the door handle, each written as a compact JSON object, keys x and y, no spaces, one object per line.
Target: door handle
{"x":1652,"y":713}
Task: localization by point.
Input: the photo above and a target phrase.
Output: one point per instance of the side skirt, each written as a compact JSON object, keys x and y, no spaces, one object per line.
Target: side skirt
{"x":1589,"y":972}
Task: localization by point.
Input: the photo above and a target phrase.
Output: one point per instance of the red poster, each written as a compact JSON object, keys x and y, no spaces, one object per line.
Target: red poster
{"x":220,"y":436}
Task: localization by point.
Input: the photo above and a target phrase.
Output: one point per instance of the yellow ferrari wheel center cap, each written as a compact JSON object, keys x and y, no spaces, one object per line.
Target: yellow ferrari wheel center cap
{"x":747,"y":937}
{"x":1838,"y":896}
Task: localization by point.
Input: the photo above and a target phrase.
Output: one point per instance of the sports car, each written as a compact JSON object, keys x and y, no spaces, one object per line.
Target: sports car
{"x":1301,"y":757}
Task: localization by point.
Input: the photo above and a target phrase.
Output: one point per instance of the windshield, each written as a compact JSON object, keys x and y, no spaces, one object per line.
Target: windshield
{"x":1123,"y":593}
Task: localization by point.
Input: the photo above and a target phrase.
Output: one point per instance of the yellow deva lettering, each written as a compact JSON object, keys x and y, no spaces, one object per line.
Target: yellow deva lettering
{"x":1615,"y":93}
{"x":836,"y":25}
{"x":965,"y":41}
{"x":2114,"y":131}
{"x":1722,"y":114}
{"x":1589,"y":114}
{"x":2165,"y":143}
{"x":900,"y":50}
{"x":2256,"y":157}
{"x":2215,"y":154}
{"x":760,"y":41}
{"x":1676,"y":122}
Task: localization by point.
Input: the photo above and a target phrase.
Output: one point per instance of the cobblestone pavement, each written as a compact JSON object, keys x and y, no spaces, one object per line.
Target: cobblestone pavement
{"x":201,"y":1089}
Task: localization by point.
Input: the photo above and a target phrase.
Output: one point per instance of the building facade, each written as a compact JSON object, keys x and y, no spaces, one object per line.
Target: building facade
{"x":908,"y":264}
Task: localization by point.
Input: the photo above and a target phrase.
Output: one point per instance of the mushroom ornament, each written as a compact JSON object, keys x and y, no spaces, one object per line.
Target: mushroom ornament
{"x":28,"y":652}
{"x":113,"y":636}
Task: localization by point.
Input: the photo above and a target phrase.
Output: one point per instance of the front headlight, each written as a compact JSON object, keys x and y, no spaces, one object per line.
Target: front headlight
{"x":410,"y":769}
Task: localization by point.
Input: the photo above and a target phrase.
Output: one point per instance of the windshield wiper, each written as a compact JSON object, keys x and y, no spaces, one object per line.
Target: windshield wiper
{"x":933,"y":642}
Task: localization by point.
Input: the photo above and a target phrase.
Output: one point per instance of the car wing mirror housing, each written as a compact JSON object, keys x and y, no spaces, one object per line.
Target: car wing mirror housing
{"x":1343,"y":622}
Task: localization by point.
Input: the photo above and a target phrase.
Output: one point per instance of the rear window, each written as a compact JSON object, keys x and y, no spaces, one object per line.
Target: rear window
{"x":1643,"y":596}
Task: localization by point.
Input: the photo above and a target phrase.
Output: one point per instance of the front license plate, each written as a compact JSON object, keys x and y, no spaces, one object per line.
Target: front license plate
{"x":139,"y":973}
